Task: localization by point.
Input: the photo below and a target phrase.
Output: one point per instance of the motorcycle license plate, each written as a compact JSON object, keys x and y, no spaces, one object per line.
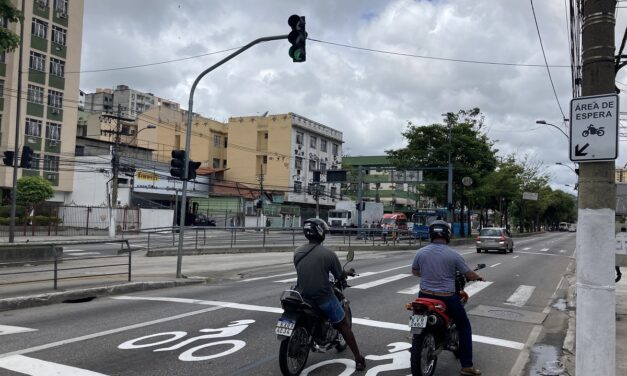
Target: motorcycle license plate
{"x":285,"y":327}
{"x":418,"y":321}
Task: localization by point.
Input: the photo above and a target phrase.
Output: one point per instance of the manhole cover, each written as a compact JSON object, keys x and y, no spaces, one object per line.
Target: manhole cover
{"x":506,"y":314}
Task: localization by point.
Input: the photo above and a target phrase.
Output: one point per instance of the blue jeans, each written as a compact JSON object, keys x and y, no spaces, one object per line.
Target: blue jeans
{"x":456,"y":310}
{"x":333,"y":309}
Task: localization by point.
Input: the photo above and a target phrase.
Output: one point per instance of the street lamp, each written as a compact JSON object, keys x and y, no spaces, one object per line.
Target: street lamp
{"x":561,"y":164}
{"x":553,"y":125}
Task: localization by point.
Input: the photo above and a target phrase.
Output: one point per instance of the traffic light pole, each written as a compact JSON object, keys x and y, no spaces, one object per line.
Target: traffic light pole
{"x":17,"y":133}
{"x":190,"y":114}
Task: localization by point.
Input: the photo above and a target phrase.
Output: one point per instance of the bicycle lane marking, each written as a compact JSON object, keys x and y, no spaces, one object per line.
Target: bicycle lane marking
{"x":106,"y":332}
{"x":36,"y":367}
{"x":366,"y":322}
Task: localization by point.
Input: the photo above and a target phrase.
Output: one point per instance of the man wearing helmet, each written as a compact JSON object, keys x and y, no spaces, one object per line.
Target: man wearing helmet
{"x":313,"y":263}
{"x":437,"y":264}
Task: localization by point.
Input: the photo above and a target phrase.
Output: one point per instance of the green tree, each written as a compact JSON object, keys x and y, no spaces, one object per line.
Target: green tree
{"x":9,"y":41}
{"x":32,"y":190}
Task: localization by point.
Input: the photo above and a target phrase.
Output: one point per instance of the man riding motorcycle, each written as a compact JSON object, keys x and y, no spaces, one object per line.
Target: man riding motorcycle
{"x":437,"y":264}
{"x":313,"y":264}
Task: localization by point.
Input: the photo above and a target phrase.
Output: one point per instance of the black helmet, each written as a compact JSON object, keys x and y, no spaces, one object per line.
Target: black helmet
{"x":440,"y":229}
{"x":315,"y":229}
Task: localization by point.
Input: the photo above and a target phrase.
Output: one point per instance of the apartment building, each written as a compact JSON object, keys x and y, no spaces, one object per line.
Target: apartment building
{"x":132,"y":102}
{"x":48,"y":113}
{"x":284,"y":150}
{"x":620,"y":175}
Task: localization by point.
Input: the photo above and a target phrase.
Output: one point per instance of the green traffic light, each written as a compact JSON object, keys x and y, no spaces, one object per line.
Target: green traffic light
{"x":297,"y":54}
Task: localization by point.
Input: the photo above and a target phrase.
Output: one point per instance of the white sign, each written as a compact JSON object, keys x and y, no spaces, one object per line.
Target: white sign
{"x":594,"y":128}
{"x":530,"y":196}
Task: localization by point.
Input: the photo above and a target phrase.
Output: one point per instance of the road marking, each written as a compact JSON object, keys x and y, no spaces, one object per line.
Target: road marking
{"x":73,"y":250}
{"x":381,"y":281}
{"x":520,"y":296}
{"x":365,"y":322}
{"x":544,"y":250}
{"x":410,"y":290}
{"x":515,"y":257}
{"x":526,"y":249}
{"x":84,"y":253}
{"x":365,"y":274}
{"x":497,"y":264}
{"x":474,"y":288}
{"x":37,"y":367}
{"x":542,"y":254}
{"x":267,"y":277}
{"x":6,"y":329}
{"x":563,"y":251}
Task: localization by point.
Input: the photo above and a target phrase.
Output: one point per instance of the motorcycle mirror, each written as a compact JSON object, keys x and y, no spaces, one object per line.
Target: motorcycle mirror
{"x":350,"y":255}
{"x":480,"y":266}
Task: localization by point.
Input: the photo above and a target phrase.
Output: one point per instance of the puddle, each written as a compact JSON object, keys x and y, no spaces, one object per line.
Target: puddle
{"x":561,"y":304}
{"x":544,"y":361}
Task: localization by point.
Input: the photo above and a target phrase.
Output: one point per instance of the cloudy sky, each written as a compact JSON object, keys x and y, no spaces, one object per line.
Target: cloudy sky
{"x":369,"y":96}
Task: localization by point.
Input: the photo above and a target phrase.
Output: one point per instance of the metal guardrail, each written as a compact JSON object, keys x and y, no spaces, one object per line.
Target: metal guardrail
{"x":57,"y":270}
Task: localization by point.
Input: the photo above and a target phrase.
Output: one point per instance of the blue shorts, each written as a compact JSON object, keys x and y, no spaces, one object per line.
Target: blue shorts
{"x":333,"y":309}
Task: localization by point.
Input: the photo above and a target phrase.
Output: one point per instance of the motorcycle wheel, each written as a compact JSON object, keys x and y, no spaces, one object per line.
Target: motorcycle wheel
{"x":341,"y":346}
{"x":423,"y":358}
{"x":294,"y":352}
{"x":600,"y":133}
{"x":585,"y":133}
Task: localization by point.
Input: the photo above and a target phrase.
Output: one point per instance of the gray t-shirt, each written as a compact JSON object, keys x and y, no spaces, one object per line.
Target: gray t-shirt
{"x":437,"y":264}
{"x":313,"y":271}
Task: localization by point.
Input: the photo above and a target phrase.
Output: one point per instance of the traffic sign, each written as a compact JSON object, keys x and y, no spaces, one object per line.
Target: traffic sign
{"x":594,"y":128}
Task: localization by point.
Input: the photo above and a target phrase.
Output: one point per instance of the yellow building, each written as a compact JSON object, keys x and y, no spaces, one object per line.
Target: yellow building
{"x":621,"y":175}
{"x":48,"y":113}
{"x":284,"y":150}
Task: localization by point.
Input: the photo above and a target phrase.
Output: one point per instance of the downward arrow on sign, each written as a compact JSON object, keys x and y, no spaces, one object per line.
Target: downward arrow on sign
{"x":580,"y":152}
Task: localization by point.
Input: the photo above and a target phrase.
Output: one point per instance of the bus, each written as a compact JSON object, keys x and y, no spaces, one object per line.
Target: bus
{"x":423,"y":218}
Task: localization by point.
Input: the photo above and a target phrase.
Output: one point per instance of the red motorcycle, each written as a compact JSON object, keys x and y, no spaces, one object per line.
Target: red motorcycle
{"x":433,"y":330}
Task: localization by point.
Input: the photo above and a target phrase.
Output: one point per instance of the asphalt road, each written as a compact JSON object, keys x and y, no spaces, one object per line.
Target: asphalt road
{"x":227,"y":328}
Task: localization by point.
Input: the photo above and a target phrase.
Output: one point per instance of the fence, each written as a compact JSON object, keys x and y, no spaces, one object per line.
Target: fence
{"x":14,"y":272}
{"x":67,"y":220}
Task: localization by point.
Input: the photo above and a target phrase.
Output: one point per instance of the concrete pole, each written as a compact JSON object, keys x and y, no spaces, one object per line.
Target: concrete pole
{"x":449,"y":193}
{"x":359,"y":195}
{"x":596,"y":299}
{"x":115,"y":167}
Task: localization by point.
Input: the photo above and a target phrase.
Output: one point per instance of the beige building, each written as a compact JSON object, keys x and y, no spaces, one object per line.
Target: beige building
{"x":48,"y":114}
{"x":285,"y":149}
{"x":621,"y":175}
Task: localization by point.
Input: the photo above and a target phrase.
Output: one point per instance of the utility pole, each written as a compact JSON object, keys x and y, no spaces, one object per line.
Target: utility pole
{"x":449,"y":195}
{"x":260,"y":202}
{"x":115,"y":165}
{"x":596,"y":298}
{"x":359,"y":195}
{"x":18,"y":117}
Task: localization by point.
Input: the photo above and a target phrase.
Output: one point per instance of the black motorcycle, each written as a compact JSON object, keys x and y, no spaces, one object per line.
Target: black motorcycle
{"x":593,"y":130}
{"x":303,"y":327}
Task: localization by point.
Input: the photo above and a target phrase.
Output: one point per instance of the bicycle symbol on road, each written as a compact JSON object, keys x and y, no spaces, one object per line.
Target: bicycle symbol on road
{"x":233,"y":329}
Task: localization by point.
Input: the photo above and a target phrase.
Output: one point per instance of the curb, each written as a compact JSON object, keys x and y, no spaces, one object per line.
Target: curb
{"x":29,"y":301}
{"x":568,"y":347}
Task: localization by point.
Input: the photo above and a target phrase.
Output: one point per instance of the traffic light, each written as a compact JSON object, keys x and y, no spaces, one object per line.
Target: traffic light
{"x":178,"y":164}
{"x":27,"y":157}
{"x":191,"y":169}
{"x":297,"y":37}
{"x":8,"y":157}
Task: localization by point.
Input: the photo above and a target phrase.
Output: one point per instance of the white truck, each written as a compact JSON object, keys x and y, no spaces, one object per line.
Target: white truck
{"x":345,"y":214}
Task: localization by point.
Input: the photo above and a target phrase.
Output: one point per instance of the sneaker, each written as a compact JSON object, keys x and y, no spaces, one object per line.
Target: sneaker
{"x":470,"y":371}
{"x":360,"y":364}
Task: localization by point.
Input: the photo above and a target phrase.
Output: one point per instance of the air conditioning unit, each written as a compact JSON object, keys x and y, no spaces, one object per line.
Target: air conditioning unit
{"x":55,"y":111}
{"x":50,"y":176}
{"x":61,"y":14}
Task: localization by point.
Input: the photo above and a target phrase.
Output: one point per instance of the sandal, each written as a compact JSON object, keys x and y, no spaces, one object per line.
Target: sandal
{"x":470,"y":371}
{"x":360,"y":364}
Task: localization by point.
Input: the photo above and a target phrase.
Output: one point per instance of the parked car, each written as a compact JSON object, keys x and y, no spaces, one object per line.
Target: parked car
{"x":203,"y":220}
{"x":495,"y":238}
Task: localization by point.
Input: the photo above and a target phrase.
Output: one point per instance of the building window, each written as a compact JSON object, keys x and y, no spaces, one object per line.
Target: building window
{"x":312,"y":165}
{"x":55,"y":99}
{"x":59,"y":35}
{"x":3,"y":57}
{"x":226,"y":139}
{"x":323,"y":145}
{"x":323,"y":168}
{"x":35,"y":94}
{"x":57,"y":67}
{"x":33,"y":127}
{"x":37,"y":61}
{"x":217,"y":141}
{"x":34,"y":164}
{"x":265,"y":135}
{"x":60,"y":6}
{"x":40,"y":28}
{"x":333,"y":192}
{"x":299,"y":138}
{"x":42,"y":3}
{"x":313,"y":142}
{"x":216,"y":162}
{"x":53,"y":131}
{"x":335,"y":149}
{"x":298,"y":163}
{"x":224,"y":163}
{"x":1,"y":88}
{"x":79,"y":150}
{"x":298,"y":187}
{"x":265,"y":159}
{"x":51,"y":163}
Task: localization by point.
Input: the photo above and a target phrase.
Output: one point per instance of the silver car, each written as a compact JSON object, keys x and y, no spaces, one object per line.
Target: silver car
{"x":496,"y":238}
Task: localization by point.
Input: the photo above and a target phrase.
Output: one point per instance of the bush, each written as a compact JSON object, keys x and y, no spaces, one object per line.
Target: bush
{"x":5,"y":221}
{"x":5,"y":211}
{"x":42,"y":220}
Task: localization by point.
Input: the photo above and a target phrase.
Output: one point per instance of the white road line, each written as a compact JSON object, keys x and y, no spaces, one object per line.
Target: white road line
{"x":73,"y":250}
{"x":497,"y":264}
{"x":475,"y":287}
{"x":84,"y":253}
{"x":381,"y":281}
{"x":267,"y":277}
{"x":6,"y":329}
{"x":520,"y":296}
{"x":366,"y":274}
{"x":515,"y":257}
{"x":526,"y":249}
{"x":542,"y":254}
{"x":410,"y":290}
{"x":366,"y":322}
{"x":37,"y":367}
{"x":544,"y":250}
{"x":563,"y":251}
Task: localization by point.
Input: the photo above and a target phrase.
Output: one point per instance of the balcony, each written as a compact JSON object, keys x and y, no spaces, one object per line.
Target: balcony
{"x":32,"y":141}
{"x":53,"y":146}
{"x":35,"y":109}
{"x":39,"y":11}
{"x":36,"y":76}
{"x":39,"y":43}
{"x":58,"y":50}
{"x":30,"y":172}
{"x":56,"y":82}
{"x":55,"y":114}
{"x":52,"y":177}
{"x":58,"y":18}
